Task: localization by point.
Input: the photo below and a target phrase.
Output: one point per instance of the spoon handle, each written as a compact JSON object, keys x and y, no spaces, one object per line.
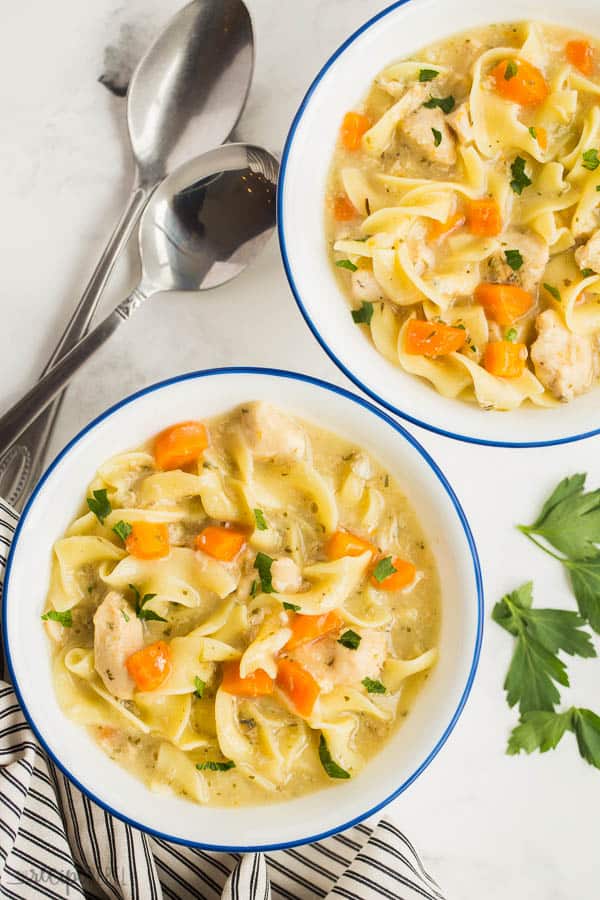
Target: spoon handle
{"x":20,"y":416}
{"x":21,"y":463}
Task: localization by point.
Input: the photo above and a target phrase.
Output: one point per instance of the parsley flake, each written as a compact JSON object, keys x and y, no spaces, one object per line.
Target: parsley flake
{"x":587,"y":273}
{"x":514,"y":259}
{"x":328,"y":763}
{"x":254,"y":588}
{"x":553,"y":291}
{"x":384,"y":569}
{"x":147,"y":615}
{"x":346,"y":264}
{"x":511,"y":335}
{"x":350,"y":639}
{"x":263,"y":564}
{"x":292,"y":607}
{"x":520,"y":179}
{"x":532,"y":132}
{"x":446,"y":104}
{"x":590,"y":160}
{"x":259,"y":518}
{"x":373,"y":686}
{"x":428,"y":74}
{"x":199,"y":687}
{"x":437,"y":137}
{"x":123,"y":530}
{"x":510,"y":70}
{"x":64,"y":618}
{"x":213,"y":766}
{"x":363,"y":315}
{"x":99,"y":504}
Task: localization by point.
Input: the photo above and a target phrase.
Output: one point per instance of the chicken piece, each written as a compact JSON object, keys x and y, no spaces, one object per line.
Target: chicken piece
{"x":365,"y":286}
{"x":286,"y":576}
{"x":588,"y":256}
{"x":564,"y":362}
{"x":330,"y":663}
{"x":427,"y":130}
{"x":534,"y":252}
{"x":459,"y":121}
{"x":117,"y":634}
{"x":270,"y":433}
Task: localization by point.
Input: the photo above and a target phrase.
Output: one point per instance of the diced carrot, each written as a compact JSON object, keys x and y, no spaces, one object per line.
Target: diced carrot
{"x":219,"y":542}
{"x":353,"y":128}
{"x":344,"y":543}
{"x":504,"y":303}
{"x":432,"y":338}
{"x":148,"y":540}
{"x":150,"y":666}
{"x":541,"y":136}
{"x":580,"y":55}
{"x":519,"y":81}
{"x":298,"y":685}
{"x":437,"y":230}
{"x":401,"y":578}
{"x":483,"y":217}
{"x":257,"y":684}
{"x":343,"y":210}
{"x":505,"y":359}
{"x":309,"y":628}
{"x":180,"y":445}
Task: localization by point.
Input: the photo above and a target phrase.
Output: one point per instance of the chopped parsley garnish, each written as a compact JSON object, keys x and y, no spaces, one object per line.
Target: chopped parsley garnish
{"x":446,"y":104}
{"x":437,"y":137}
{"x":510,"y":70}
{"x":384,"y":569}
{"x":263,"y":564}
{"x":125,"y":616}
{"x":64,"y":618}
{"x":514,"y":259}
{"x":291,"y":606}
{"x":99,"y":504}
{"x":511,"y":335}
{"x":587,"y":273}
{"x":553,"y":291}
{"x":373,"y":686}
{"x":123,"y":530}
{"x":199,"y":687}
{"x":532,"y":132}
{"x":254,"y":588}
{"x":259,"y":518}
{"x":216,"y":766}
{"x":520,"y":179}
{"x":598,"y":187}
{"x":330,"y":766}
{"x":428,"y":74}
{"x":346,"y":264}
{"x":350,"y":639}
{"x":147,"y":615}
{"x":590,"y":160}
{"x":363,"y":315}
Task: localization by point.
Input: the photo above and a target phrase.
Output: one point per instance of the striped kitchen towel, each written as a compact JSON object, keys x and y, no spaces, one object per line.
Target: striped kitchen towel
{"x":56,"y":843}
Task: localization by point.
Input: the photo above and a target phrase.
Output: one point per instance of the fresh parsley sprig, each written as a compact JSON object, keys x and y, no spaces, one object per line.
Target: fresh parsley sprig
{"x":147,"y":615}
{"x":543,"y":731}
{"x":328,"y":763}
{"x":99,"y":504}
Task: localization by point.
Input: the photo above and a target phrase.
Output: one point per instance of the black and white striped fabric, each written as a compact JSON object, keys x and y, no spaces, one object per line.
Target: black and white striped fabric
{"x":56,"y":843}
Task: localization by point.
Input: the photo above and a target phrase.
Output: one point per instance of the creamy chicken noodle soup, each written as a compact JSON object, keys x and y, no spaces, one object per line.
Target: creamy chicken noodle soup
{"x":463,"y":214}
{"x":243,"y":610}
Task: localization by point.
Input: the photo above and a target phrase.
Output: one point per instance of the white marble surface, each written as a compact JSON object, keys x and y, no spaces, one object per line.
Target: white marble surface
{"x":490,"y":825}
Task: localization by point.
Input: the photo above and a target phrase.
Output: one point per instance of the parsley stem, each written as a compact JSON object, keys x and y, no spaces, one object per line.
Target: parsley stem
{"x":525,"y":530}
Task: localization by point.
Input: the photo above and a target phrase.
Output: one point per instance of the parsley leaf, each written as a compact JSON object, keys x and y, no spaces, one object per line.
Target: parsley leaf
{"x":363,"y":315}
{"x":259,"y":518}
{"x":125,"y":616}
{"x":553,"y":291}
{"x":587,"y":273}
{"x":384,"y":569}
{"x":99,"y":504}
{"x":590,"y":160}
{"x":330,"y":766}
{"x":570,"y":519}
{"x":292,"y":607}
{"x":437,"y":137}
{"x":543,"y":731}
{"x":428,"y":74}
{"x":585,"y":581}
{"x":511,"y":70}
{"x":216,"y":766}
{"x":65,"y":618}
{"x":346,"y":264}
{"x":350,"y":639}
{"x":254,"y":588}
{"x":147,"y":615}
{"x":123,"y":530}
{"x":532,"y":132}
{"x":520,"y":179}
{"x":373,"y":686}
{"x":446,"y":104}
{"x":511,"y":335}
{"x":263,"y":564}
{"x":514,"y":259}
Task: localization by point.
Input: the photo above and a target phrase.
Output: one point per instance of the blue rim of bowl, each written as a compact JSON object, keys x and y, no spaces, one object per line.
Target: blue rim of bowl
{"x":468,"y":439}
{"x":324,"y":385}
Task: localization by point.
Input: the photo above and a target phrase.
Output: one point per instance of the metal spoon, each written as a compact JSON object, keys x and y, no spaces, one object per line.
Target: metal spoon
{"x":185,"y":97}
{"x":201,"y":228}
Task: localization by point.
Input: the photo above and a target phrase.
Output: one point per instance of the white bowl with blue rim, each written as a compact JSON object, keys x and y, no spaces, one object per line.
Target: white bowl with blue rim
{"x":55,"y":503}
{"x":396,"y":33}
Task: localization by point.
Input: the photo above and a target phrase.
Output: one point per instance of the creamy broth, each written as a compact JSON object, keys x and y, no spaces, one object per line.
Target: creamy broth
{"x":463,"y":214}
{"x":244,"y":609}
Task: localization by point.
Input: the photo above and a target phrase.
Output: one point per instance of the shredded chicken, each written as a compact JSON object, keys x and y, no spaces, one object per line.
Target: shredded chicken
{"x":330,"y":663}
{"x":427,"y":130}
{"x":365,"y":286}
{"x":564,"y":362}
{"x":270,"y":433}
{"x":117,"y":634}
{"x":286,"y":576}
{"x":534,"y":253}
{"x":588,"y":256}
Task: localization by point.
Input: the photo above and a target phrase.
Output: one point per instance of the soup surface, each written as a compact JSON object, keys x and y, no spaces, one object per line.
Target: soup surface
{"x":243,"y":610}
{"x":463,"y":214}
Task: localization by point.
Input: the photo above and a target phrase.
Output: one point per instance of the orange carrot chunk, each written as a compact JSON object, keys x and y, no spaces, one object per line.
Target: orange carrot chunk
{"x":520,"y":82}
{"x":504,"y":303}
{"x":353,"y":128}
{"x":344,"y":543}
{"x":298,"y":685}
{"x":257,"y":684}
{"x":180,"y":445}
{"x":150,"y":666}
{"x":343,"y":210}
{"x":148,"y":540}
{"x":484,"y":218}
{"x":309,"y":628}
{"x":432,"y":338}
{"x":401,"y":578}
{"x":580,"y":55}
{"x":437,"y":230}
{"x":220,"y":543}
{"x":505,"y":359}
{"x":541,"y":136}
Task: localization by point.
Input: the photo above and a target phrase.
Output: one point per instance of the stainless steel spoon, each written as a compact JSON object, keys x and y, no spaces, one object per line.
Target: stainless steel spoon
{"x":185,"y":97}
{"x":201,"y":228}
